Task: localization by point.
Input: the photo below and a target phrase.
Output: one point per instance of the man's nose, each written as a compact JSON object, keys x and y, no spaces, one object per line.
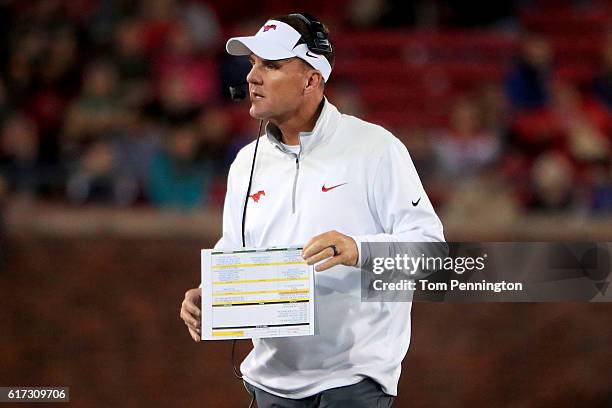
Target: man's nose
{"x":254,"y":77}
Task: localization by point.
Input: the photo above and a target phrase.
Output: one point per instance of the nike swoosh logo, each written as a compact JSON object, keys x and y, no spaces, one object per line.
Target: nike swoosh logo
{"x":415,"y":203}
{"x":308,"y":54}
{"x":326,"y":189}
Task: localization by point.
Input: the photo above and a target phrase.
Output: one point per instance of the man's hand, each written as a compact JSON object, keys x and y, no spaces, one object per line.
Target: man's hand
{"x":190,"y":312}
{"x":320,"y":248}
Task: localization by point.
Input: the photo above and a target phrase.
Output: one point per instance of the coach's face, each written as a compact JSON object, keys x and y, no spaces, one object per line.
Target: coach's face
{"x":276,"y":87}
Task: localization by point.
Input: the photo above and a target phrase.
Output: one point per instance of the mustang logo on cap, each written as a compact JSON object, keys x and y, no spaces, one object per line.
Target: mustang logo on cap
{"x":269,"y":27}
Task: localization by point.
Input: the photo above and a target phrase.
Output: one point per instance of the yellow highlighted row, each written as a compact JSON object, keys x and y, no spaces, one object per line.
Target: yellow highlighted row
{"x":260,"y":264}
{"x":227,"y":333}
{"x":258,"y":280}
{"x":260,"y":292}
{"x":259,"y":301}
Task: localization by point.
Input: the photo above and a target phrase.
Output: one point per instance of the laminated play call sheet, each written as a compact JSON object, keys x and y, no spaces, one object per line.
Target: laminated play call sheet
{"x":247,"y":293}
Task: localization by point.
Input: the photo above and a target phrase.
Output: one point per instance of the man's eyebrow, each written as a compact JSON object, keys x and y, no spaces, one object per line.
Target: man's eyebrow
{"x":276,"y":62}
{"x":265,"y":61}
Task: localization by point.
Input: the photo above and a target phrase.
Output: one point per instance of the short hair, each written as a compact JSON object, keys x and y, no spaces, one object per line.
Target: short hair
{"x":301,"y":27}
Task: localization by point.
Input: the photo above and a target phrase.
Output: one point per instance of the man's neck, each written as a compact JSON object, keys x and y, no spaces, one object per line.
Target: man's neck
{"x":303,"y":121}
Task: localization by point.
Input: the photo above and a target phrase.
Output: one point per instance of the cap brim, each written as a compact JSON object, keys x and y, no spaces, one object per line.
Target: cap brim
{"x":263,"y":49}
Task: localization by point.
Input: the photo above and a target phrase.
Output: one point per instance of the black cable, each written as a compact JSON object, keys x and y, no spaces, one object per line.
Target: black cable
{"x":236,"y":373}
{"x":246,"y":202}
{"x":246,"y":198}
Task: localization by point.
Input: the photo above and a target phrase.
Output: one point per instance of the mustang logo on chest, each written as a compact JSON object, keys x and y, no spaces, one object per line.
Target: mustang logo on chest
{"x":257,"y":195}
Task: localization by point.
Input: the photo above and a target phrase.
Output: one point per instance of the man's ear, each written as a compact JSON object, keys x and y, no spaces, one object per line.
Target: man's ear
{"x":314,"y":80}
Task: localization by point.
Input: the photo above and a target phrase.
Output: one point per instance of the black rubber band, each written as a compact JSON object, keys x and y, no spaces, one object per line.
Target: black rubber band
{"x":333,"y":247}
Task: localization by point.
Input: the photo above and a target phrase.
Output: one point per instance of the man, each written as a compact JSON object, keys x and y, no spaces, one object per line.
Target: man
{"x":331,"y":181}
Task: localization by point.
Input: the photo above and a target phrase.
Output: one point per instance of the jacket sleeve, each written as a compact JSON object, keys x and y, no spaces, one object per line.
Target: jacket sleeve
{"x":399,"y":202}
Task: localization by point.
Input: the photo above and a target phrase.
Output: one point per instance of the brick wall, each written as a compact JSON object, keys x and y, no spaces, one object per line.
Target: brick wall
{"x":101,"y":315}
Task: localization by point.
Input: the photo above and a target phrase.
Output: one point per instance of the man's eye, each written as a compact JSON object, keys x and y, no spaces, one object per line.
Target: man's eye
{"x":271,"y":66}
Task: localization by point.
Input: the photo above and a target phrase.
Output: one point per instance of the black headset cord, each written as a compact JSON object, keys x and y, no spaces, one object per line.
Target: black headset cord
{"x":246,"y":202}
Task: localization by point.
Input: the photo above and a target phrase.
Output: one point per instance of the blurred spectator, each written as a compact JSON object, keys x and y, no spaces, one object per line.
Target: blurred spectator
{"x":132,"y":64}
{"x":4,"y":107}
{"x":422,"y":152}
{"x":6,"y":17}
{"x":105,"y":17}
{"x":3,"y":194}
{"x":243,"y":136}
{"x":602,"y":84}
{"x":96,"y":113}
{"x":527,"y":83}
{"x":203,"y":23}
{"x":214,"y":128}
{"x":159,"y":18}
{"x":96,"y":179}
{"x":398,"y":13}
{"x":485,"y":198}
{"x":178,"y":178}
{"x":393,"y":13}
{"x":345,"y":95}
{"x":367,"y":13}
{"x":460,"y":13}
{"x":174,"y":103}
{"x":183,"y":61}
{"x":135,"y":147}
{"x":60,"y":58}
{"x":571,"y":123}
{"x":466,"y":147}
{"x":420,"y":144}
{"x":552,"y":179}
{"x":601,"y":191}
{"x":493,"y":105}
{"x":47,"y":14}
{"x":25,"y":53}
{"x":57,"y":81}
{"x":19,"y":167}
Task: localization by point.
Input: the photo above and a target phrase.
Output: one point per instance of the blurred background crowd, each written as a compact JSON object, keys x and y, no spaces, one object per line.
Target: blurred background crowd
{"x":504,"y":106}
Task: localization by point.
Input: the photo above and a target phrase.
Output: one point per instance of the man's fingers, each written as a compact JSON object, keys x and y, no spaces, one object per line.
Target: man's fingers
{"x":191,"y":308}
{"x":310,"y":242}
{"x":194,"y":295}
{"x":190,"y":319}
{"x":193,"y":328}
{"x":191,"y":313}
{"x":195,"y":336}
{"x":328,"y":264}
{"x":317,"y":244}
{"x":325,"y":253}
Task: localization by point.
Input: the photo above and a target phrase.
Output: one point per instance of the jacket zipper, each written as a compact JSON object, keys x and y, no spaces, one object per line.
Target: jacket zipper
{"x":297,"y":173}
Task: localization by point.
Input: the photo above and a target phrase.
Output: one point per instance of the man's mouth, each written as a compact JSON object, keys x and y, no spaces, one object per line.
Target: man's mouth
{"x":256,"y":95}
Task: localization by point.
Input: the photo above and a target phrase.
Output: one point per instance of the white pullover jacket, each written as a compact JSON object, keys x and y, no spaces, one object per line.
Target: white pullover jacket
{"x":353,"y":177}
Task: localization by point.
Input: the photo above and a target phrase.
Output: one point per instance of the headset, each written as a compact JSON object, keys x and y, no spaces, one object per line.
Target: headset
{"x":318,"y":42}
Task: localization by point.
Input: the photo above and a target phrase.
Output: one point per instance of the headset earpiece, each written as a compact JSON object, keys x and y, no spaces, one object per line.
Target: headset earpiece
{"x":318,"y":41}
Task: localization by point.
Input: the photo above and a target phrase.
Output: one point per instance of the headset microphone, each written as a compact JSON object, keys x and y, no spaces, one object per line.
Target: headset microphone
{"x":239,"y":91}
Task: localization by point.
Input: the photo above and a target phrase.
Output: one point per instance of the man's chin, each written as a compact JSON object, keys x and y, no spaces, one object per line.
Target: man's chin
{"x":257,"y":114}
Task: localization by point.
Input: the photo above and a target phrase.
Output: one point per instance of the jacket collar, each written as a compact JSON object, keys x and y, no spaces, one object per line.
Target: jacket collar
{"x":324,"y":128}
